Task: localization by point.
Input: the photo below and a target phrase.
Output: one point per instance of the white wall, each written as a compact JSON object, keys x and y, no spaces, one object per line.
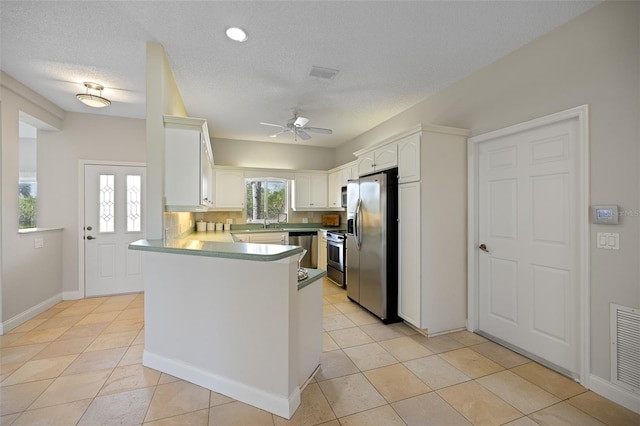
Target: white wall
{"x":241,"y":153}
{"x":84,"y":137}
{"x":29,"y":276}
{"x":593,"y":59}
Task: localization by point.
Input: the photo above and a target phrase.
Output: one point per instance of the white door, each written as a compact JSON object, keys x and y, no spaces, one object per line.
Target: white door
{"x":113,"y":218}
{"x":528,"y":236}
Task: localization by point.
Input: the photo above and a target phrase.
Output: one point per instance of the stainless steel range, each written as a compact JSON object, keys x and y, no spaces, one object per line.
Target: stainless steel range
{"x":336,"y":257}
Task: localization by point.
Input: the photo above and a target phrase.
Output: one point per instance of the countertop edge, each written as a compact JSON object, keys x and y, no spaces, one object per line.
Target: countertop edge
{"x":157,"y":246}
{"x":314,"y":275}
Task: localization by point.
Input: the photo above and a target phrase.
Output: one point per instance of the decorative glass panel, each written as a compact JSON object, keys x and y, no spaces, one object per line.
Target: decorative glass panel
{"x":107,"y":203}
{"x":134,"y":203}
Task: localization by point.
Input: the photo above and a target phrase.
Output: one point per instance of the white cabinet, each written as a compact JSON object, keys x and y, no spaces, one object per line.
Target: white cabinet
{"x":230,"y":189}
{"x":322,"y":250}
{"x":409,"y":159}
{"x":382,"y":158}
{"x":335,"y":185}
{"x":338,"y":178}
{"x":188,"y":163}
{"x":432,"y":246}
{"x":309,"y":191}
{"x":281,"y":238}
{"x":409,"y":252}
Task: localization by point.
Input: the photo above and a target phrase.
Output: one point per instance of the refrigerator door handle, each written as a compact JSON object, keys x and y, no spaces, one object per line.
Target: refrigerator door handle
{"x":357,"y":225}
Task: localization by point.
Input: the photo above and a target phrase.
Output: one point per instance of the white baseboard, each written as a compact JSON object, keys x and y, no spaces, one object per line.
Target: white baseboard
{"x":279,"y":405}
{"x":72,"y":295}
{"x":615,"y":393}
{"x":25,"y":316}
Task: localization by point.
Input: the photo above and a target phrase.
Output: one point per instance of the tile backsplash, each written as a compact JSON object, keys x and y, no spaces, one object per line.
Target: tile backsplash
{"x":178,"y":224}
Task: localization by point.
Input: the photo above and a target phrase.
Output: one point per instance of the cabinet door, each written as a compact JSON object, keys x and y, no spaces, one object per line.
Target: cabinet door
{"x":409,"y":159}
{"x":318,"y":190}
{"x":345,"y":176}
{"x":386,"y":157}
{"x":335,"y":186}
{"x":365,"y":164}
{"x":301,"y":191}
{"x":206,"y":176}
{"x":322,"y":251}
{"x":310,"y":191}
{"x":409,"y":276}
{"x":230,"y":189}
{"x":270,"y":238}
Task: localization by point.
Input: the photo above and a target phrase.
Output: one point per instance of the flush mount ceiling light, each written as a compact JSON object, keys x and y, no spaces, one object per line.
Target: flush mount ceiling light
{"x":237,"y":34}
{"x":95,"y":101}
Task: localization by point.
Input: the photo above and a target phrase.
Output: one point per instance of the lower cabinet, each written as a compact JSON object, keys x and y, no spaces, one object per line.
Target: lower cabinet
{"x":281,"y":238}
{"x":322,"y":251}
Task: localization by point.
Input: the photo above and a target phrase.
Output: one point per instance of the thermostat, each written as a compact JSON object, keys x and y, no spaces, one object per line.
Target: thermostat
{"x":604,"y":215}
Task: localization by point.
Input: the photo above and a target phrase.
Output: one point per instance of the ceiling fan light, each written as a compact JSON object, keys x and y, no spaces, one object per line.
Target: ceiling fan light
{"x":300,"y":121}
{"x":237,"y":34}
{"x":94,"y":101}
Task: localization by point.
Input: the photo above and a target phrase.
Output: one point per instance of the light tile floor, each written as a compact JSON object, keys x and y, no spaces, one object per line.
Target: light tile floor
{"x":80,"y":363}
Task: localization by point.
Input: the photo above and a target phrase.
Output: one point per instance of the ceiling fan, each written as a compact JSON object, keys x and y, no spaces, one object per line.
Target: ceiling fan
{"x":298,"y":126}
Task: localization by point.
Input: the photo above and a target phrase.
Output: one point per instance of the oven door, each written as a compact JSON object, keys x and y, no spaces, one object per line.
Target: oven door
{"x":335,"y":254}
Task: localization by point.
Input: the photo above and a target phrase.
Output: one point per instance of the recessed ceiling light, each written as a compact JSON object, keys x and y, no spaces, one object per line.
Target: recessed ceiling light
{"x":95,"y":101}
{"x":237,"y":34}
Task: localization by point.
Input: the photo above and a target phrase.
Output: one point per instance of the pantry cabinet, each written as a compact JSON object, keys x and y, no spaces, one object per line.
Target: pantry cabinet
{"x":188,"y":167}
{"x":432,"y":240}
{"x":230,"y":189}
{"x":309,"y":191}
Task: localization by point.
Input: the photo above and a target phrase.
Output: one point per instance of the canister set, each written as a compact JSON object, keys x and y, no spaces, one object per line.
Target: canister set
{"x":203,"y":226}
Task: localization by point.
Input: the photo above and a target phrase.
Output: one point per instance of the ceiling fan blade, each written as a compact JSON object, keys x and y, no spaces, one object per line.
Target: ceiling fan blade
{"x":318,"y":130}
{"x":271,"y":124}
{"x":279,"y":133}
{"x":303,"y":135}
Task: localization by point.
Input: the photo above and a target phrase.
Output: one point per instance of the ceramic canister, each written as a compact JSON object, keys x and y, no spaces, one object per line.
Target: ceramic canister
{"x":211,"y":226}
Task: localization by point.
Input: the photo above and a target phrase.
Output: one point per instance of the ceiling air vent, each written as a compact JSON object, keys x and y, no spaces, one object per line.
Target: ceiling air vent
{"x":320,"y":72}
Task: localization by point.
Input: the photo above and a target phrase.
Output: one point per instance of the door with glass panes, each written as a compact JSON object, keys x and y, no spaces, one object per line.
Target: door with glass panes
{"x":113,"y":218}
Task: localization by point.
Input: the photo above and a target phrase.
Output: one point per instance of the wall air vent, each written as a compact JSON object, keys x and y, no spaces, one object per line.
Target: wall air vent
{"x":625,"y":347}
{"x":325,"y":73}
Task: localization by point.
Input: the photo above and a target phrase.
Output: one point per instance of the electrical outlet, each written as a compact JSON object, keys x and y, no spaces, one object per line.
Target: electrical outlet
{"x":38,"y":243}
{"x":305,"y":220}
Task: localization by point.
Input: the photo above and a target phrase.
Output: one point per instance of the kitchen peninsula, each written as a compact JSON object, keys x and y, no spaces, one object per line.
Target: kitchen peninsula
{"x":233,"y":318}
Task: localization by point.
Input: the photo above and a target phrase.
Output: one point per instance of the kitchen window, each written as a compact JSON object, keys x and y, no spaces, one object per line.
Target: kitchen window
{"x":266,"y":200}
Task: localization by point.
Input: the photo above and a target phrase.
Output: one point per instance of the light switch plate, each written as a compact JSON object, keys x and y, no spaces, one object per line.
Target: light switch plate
{"x":38,"y":243}
{"x":608,"y":240}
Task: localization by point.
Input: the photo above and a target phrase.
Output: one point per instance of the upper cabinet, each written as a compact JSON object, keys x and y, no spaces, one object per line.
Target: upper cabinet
{"x":309,"y":191}
{"x":230,"y":189}
{"x":188,"y":168}
{"x":335,"y":185}
{"x":382,"y":158}
{"x":409,"y":159}
{"x":338,"y":177}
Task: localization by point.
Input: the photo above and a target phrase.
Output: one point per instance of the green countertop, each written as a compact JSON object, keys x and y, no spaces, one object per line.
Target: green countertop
{"x":314,"y":275}
{"x":227,"y":250}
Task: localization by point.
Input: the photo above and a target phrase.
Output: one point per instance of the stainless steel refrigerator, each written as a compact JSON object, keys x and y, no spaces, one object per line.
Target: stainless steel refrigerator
{"x":372,"y":243}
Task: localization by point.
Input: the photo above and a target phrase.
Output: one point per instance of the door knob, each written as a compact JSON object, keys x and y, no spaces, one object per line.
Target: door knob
{"x":89,"y":237}
{"x":483,"y":247}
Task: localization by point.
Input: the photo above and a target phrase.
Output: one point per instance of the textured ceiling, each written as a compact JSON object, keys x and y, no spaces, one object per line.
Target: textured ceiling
{"x":390,"y":54}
